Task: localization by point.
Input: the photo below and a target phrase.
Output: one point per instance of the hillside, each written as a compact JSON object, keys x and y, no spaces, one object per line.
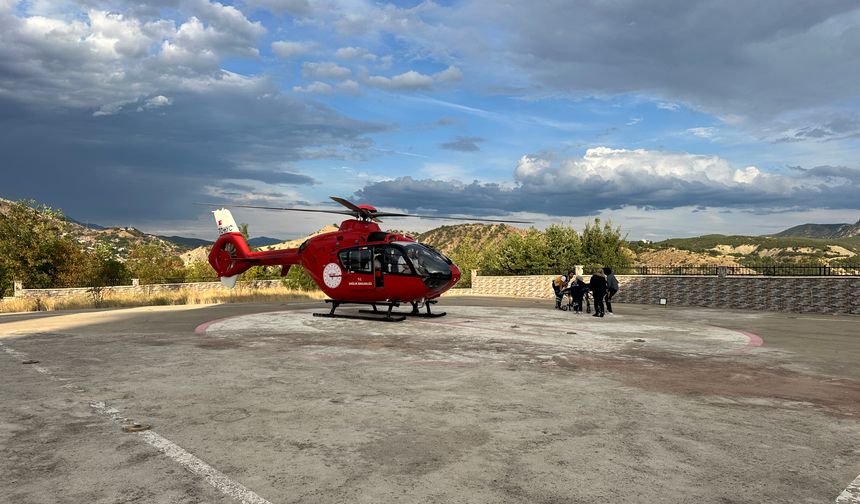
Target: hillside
{"x":295,"y":243}
{"x":831,"y":243}
{"x":826,"y":231}
{"x":722,"y":249}
{"x":447,"y":238}
{"x":120,"y":239}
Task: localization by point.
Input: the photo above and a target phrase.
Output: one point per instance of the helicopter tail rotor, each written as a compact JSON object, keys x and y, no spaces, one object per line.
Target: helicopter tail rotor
{"x":231,"y":256}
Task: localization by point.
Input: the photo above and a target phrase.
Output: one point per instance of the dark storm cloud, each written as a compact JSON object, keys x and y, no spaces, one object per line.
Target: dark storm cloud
{"x":729,"y":56}
{"x":833,"y":129}
{"x":491,"y":199}
{"x":464,"y":144}
{"x":832,"y":173}
{"x":156,"y":162}
{"x":611,"y":179}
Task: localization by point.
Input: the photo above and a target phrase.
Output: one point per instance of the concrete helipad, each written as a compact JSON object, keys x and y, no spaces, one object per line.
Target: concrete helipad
{"x":499,"y":401}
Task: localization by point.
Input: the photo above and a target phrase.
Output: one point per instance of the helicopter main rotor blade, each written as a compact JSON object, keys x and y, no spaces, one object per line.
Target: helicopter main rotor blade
{"x":352,"y":206}
{"x":340,"y":212}
{"x":448,"y":217}
{"x":358,"y":212}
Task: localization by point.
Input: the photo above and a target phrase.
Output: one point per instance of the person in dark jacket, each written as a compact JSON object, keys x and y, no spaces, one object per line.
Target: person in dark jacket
{"x":577,"y":289}
{"x":611,"y":288}
{"x":597,"y":286}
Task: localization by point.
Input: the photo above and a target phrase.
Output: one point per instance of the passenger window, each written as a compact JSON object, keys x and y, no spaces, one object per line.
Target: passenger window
{"x":356,"y":260}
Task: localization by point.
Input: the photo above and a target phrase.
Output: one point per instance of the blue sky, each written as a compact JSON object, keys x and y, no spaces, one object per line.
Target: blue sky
{"x":675,"y":119}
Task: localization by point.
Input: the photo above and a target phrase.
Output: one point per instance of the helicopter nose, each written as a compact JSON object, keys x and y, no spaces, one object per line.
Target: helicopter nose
{"x":455,"y":274}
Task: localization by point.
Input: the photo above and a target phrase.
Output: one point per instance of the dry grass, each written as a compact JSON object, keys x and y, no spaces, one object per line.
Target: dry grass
{"x":179,"y":297}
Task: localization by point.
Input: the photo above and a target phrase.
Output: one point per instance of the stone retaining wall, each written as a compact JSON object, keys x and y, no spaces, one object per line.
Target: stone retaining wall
{"x":138,"y":289}
{"x":785,"y":294}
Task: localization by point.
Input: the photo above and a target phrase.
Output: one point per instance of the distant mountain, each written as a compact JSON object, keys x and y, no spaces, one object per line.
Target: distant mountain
{"x":88,"y":225}
{"x":827,"y":231}
{"x":262,"y":241}
{"x":189,"y":243}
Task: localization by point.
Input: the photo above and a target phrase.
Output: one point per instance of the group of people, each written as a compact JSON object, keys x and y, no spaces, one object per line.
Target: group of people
{"x":602,"y":284}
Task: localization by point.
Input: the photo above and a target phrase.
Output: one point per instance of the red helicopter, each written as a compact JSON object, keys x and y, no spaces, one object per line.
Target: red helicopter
{"x":357,"y":264}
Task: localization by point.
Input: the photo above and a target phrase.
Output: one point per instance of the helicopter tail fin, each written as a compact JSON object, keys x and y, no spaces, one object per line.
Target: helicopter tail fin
{"x":225,"y":221}
{"x":230,"y":254}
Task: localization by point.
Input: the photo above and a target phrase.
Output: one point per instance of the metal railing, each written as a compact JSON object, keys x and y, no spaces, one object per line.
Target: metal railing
{"x":747,"y":270}
{"x":713,"y":270}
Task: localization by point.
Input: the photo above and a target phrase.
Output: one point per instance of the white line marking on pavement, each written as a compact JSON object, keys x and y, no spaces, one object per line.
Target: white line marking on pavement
{"x":850,"y":495}
{"x":173,"y":451}
{"x":193,"y":464}
{"x":212,"y":476}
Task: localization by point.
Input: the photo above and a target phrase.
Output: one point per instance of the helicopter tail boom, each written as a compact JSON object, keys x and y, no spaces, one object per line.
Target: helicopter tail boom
{"x":231,"y":256}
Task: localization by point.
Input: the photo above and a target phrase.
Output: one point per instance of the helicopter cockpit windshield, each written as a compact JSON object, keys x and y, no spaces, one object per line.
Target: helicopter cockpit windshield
{"x":426,"y":260}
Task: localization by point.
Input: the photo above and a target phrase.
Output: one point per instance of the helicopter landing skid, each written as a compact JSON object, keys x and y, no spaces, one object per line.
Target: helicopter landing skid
{"x":414,"y":313}
{"x":381,"y":316}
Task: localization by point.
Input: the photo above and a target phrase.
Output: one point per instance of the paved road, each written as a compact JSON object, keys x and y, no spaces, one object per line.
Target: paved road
{"x":500,"y":401}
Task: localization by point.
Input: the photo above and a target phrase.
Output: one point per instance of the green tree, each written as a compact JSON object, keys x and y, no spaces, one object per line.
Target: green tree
{"x":520,"y":255}
{"x":564,"y":246}
{"x":299,"y":279}
{"x":76,"y":268}
{"x":604,"y":245}
{"x":261,"y":273}
{"x":32,"y":246}
{"x":152,"y":264}
{"x":467,"y":256}
{"x":200,"y":271}
{"x":110,"y":271}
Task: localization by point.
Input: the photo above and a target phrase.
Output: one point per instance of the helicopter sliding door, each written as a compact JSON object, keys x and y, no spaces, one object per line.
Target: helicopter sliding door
{"x":391,"y":263}
{"x":388,"y":260}
{"x":358,"y":271}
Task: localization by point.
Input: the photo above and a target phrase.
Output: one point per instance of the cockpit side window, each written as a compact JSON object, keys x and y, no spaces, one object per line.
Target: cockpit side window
{"x":427,"y":262}
{"x":395,"y":262}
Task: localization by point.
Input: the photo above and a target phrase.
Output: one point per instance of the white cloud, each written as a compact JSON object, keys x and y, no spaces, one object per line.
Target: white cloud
{"x":230,"y":20}
{"x":412,"y":80}
{"x":325,"y":71}
{"x":672,"y":107}
{"x":102,"y":60}
{"x":408,"y":81}
{"x":605,"y":179}
{"x":155,"y":102}
{"x":348,"y":86}
{"x":634,"y":121}
{"x":315,"y":87}
{"x":638,"y":167}
{"x":288,"y":49}
{"x":450,"y":74}
{"x":355,"y":53}
{"x":707,"y":133}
